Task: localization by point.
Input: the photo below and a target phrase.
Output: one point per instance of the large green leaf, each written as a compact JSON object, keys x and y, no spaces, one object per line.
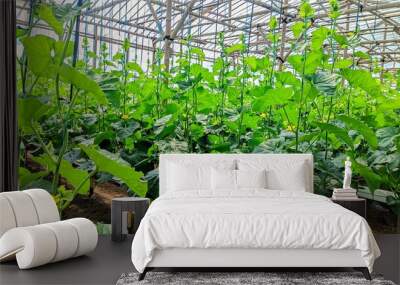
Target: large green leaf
{"x":74,"y":176}
{"x":311,"y":62}
{"x":276,"y":96}
{"x":318,"y":37}
{"x":325,"y":82}
{"x":286,"y":77}
{"x":38,"y":50}
{"x":82,"y":81}
{"x":338,"y":132}
{"x":251,"y":61}
{"x":235,"y":48}
{"x":30,"y":110}
{"x":362,"y":79}
{"x":373,"y":180}
{"x":106,"y":162}
{"x":45,"y":13}
{"x":362,"y":128}
{"x":26,"y":178}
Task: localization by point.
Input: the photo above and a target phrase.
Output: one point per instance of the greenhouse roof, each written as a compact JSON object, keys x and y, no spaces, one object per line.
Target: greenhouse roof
{"x":149,"y":23}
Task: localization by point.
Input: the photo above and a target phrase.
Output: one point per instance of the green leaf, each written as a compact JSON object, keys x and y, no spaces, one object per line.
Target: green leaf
{"x":373,"y":180}
{"x":235,"y":48}
{"x":297,"y":29}
{"x":45,"y":13}
{"x":361,"y":54}
{"x":82,"y":81}
{"x":306,"y":11}
{"x":199,"y":52}
{"x":107,"y":135}
{"x":362,"y":79}
{"x":196,"y":131}
{"x":30,"y":110}
{"x":58,"y":47}
{"x":273,"y":23}
{"x":38,"y":50}
{"x":106,"y":162}
{"x":286,"y":77}
{"x":272,"y":97}
{"x":26,"y":177}
{"x":362,"y":128}
{"x":343,"y":63}
{"x":312,"y":62}
{"x":340,"y":39}
{"x":251,"y":61}
{"x":318,"y":37}
{"x":338,"y":132}
{"x":325,"y":82}
{"x":74,"y":176}
{"x":250,"y":121}
{"x":135,"y":67}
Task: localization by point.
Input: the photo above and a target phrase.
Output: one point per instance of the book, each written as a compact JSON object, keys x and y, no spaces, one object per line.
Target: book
{"x":344,"y":198}
{"x":341,"y":190}
{"x":345,"y":194}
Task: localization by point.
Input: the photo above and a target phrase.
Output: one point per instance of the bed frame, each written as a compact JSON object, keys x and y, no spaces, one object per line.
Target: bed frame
{"x":242,"y":259}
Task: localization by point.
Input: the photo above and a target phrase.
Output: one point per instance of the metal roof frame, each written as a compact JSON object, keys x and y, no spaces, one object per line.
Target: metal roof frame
{"x":164,"y":23}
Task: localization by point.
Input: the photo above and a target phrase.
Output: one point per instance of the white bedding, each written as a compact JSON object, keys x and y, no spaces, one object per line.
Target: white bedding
{"x":251,"y":218}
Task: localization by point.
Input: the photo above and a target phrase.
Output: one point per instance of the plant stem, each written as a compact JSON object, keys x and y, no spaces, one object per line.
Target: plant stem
{"x":242,"y":89}
{"x":66,"y":117}
{"x":302,"y":86}
{"x":75,"y":191}
{"x":333,"y":24}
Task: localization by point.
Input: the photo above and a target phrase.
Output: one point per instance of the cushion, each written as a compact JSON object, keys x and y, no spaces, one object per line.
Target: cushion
{"x":40,"y":244}
{"x":283,"y":175}
{"x":251,"y":178}
{"x":224,"y":179}
{"x":188,"y":177}
{"x":26,"y":208}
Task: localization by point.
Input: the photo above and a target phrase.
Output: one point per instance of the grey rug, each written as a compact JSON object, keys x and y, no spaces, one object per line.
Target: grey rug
{"x":243,"y":278}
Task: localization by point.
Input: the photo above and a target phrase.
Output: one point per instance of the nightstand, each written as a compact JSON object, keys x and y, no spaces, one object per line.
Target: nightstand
{"x":357,"y":205}
{"x":126,"y":214}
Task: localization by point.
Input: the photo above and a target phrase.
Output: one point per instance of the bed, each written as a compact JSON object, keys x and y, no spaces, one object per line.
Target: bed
{"x":246,"y":211}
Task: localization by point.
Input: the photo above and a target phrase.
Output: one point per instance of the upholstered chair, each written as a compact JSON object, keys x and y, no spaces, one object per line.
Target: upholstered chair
{"x":31,"y":231}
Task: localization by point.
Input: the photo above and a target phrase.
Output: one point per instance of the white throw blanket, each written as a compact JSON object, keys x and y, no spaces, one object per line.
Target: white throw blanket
{"x":250,"y":218}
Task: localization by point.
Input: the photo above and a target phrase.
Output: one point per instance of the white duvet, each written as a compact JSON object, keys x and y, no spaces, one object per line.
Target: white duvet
{"x":253,"y":218}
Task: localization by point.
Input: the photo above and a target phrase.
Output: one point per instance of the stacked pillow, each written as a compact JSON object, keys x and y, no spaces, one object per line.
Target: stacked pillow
{"x":238,"y":179}
{"x":238,"y":174}
{"x":292,"y":175}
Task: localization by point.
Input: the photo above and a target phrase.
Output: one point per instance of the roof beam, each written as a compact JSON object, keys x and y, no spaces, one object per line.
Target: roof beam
{"x":374,"y":11}
{"x":103,"y":7}
{"x":156,"y":19}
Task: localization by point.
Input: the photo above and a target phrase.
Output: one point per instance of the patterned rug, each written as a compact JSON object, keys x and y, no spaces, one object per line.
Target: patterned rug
{"x":244,"y":278}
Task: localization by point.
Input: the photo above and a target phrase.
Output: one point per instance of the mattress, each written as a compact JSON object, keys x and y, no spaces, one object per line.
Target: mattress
{"x":250,"y":219}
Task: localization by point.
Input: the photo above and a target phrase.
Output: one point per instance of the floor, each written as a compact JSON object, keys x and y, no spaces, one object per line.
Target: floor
{"x":103,"y":266}
{"x":110,"y":260}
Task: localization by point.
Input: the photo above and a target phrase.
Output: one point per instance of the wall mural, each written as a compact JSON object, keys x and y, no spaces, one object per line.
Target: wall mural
{"x":85,"y":127}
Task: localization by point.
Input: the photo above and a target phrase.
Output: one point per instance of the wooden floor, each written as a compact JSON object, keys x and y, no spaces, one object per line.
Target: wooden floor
{"x":110,"y":260}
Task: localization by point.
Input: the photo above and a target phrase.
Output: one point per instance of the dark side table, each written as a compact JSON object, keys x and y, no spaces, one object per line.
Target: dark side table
{"x":126,"y":214}
{"x":357,"y":205}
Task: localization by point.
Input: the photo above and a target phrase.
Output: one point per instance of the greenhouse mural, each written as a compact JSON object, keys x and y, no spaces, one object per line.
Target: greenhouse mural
{"x":82,"y":125}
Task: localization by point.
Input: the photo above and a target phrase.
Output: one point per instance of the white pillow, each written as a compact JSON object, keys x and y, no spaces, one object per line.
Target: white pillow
{"x":223,"y":179}
{"x":251,"y":178}
{"x":281,"y":174}
{"x":293,"y":178}
{"x":188,"y":177}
